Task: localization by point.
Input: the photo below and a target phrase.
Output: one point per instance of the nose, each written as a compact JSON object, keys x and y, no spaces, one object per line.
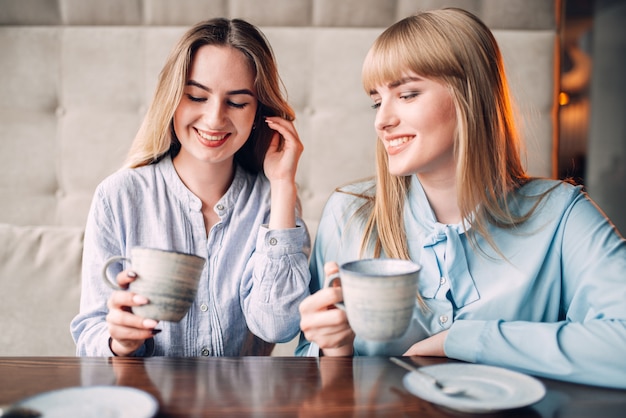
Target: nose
{"x":214,"y":114}
{"x":385,"y":117}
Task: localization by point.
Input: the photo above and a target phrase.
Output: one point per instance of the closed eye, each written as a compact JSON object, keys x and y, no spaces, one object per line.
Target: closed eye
{"x":196,"y":99}
{"x":237,"y":105}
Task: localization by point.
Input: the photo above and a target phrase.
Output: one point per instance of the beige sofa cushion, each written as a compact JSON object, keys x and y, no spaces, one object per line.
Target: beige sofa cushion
{"x":39,"y":289}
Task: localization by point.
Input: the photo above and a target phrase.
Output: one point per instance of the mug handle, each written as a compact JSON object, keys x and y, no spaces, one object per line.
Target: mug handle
{"x":329,"y":282}
{"x":111,"y":282}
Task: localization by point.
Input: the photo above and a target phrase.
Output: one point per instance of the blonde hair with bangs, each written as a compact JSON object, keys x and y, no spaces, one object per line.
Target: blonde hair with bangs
{"x":454,"y":47}
{"x":156,"y":136}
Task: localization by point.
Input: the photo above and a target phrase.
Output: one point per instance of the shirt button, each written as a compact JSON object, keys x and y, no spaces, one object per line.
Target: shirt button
{"x":220,"y":207}
{"x":205,"y":351}
{"x":273,"y":241}
{"x":442,"y":280}
{"x":204,"y":307}
{"x":443,"y":319}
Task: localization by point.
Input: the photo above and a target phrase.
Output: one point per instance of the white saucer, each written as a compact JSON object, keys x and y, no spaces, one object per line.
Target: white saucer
{"x":94,"y":401}
{"x":488,"y":388}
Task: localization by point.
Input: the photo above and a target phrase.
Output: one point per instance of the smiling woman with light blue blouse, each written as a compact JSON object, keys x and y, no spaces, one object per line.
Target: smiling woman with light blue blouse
{"x":519,"y":272}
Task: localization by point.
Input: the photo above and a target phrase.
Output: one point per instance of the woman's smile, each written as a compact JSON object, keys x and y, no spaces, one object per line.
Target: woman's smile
{"x":212,"y":139}
{"x":397,"y":144}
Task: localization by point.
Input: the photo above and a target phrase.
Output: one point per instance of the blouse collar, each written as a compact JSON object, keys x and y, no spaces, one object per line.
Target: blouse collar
{"x":443,"y":252}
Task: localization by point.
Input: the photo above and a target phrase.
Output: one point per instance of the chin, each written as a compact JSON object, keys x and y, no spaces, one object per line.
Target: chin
{"x":399,"y":172}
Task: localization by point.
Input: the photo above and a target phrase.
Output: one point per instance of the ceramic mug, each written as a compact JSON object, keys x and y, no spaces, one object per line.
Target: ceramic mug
{"x":168,"y":279}
{"x":379,"y":296}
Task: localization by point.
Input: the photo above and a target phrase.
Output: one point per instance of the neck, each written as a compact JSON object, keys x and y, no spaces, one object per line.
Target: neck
{"x":442,"y":196}
{"x":208,"y":181}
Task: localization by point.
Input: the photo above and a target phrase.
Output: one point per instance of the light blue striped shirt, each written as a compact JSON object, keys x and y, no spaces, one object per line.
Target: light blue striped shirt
{"x":253,"y":281}
{"x":556,"y":308}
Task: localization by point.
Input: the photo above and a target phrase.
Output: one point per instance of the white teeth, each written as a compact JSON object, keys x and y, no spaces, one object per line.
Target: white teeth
{"x":399,"y":141}
{"x":211,"y":137}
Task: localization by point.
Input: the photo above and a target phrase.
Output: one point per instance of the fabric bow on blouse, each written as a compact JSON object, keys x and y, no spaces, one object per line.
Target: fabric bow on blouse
{"x":442,"y":257}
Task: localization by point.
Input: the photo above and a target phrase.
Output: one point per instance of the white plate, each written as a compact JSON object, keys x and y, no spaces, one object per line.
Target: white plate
{"x":488,"y":388}
{"x":94,"y":401}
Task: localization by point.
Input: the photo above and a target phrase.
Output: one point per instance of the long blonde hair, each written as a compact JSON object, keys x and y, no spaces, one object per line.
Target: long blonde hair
{"x":156,"y":136}
{"x":456,"y":48}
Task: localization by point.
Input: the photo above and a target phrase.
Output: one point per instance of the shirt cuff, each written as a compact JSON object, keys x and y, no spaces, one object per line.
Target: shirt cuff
{"x":464,"y":340}
{"x":279,"y":242}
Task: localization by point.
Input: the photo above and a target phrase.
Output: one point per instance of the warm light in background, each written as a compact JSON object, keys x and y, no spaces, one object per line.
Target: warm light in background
{"x":563,"y":98}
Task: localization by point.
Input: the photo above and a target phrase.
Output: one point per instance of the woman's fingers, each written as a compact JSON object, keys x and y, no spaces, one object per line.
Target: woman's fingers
{"x":285,"y":127}
{"x":128,"y":331}
{"x":123,"y":298}
{"x":321,"y":300}
{"x":281,"y":160}
{"x":322,"y":323}
{"x":331,"y":267}
{"x":124,"y":278}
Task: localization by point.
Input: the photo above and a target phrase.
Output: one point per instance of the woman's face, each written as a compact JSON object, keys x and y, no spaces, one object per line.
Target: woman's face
{"x":416,"y":121}
{"x":215,"y":115}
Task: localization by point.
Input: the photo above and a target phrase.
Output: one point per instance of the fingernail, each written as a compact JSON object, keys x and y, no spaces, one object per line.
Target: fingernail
{"x":131,"y":274}
{"x":140,"y":300}
{"x":149,"y":323}
{"x":156,"y":331}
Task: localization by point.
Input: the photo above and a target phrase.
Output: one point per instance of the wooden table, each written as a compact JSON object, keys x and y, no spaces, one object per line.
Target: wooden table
{"x":278,"y":387}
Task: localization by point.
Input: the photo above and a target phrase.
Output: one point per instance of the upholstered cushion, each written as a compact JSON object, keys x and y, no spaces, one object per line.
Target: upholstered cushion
{"x":39,"y":289}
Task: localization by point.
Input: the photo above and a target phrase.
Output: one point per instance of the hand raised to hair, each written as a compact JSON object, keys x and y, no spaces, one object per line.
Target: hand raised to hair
{"x":281,"y":164}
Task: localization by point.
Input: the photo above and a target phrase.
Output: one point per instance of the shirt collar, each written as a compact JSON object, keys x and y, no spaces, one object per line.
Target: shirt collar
{"x":176,"y":186}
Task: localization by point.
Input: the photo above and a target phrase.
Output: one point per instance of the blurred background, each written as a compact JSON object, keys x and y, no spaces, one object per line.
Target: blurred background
{"x":592,"y":112}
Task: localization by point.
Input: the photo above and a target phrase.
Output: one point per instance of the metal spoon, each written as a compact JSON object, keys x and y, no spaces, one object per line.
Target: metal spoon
{"x":449,"y":390}
{"x":12,"y":411}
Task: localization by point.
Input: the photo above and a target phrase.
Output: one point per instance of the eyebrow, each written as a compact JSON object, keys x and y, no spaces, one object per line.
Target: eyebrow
{"x":397,"y":83}
{"x":230,"y":93}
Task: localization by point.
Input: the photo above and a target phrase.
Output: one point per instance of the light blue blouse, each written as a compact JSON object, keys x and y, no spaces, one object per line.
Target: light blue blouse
{"x":253,"y":281}
{"x":554,"y":307}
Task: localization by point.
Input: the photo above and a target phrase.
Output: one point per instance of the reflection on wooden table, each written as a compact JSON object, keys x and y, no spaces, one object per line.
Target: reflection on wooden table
{"x":277,"y":387}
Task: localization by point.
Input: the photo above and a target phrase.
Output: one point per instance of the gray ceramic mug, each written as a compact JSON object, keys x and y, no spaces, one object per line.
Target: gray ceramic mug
{"x":168,"y":279}
{"x":380,"y":295}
